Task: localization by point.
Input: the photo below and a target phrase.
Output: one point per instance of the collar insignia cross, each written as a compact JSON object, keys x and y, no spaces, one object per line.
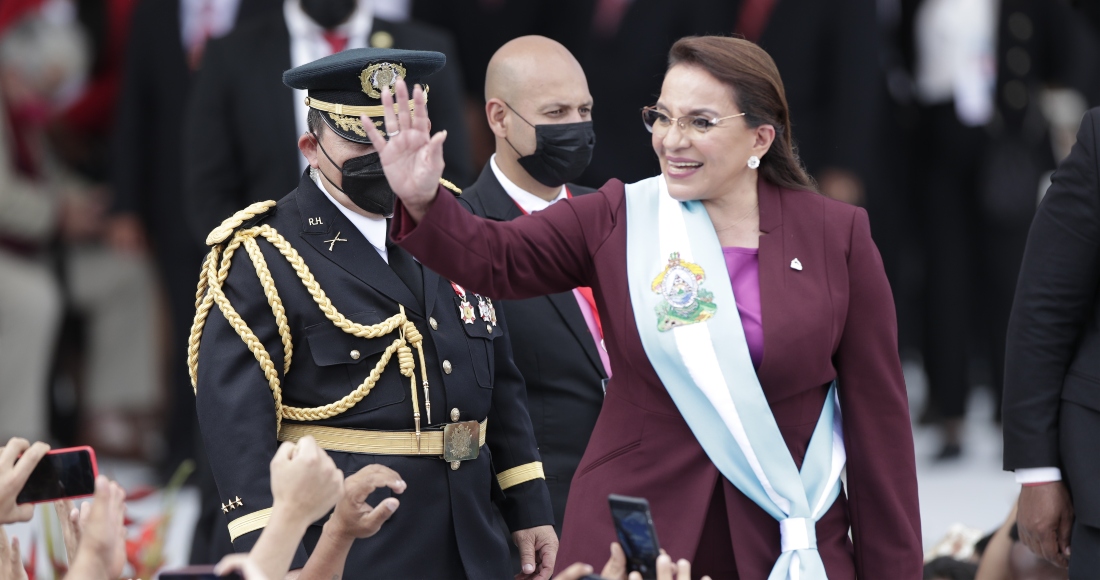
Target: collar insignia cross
{"x":333,"y":241}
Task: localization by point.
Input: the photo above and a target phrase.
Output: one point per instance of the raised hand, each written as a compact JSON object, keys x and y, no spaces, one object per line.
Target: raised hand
{"x":11,"y":560}
{"x":17,"y":460}
{"x":354,"y":517}
{"x":305,"y":482}
{"x":101,"y":552}
{"x":412,"y":158}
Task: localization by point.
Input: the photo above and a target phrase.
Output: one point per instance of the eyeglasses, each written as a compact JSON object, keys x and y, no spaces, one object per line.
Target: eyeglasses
{"x":657,"y":122}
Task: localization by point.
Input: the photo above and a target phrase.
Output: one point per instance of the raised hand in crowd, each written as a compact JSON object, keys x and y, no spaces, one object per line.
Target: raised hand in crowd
{"x":17,"y":460}
{"x":100,"y":533}
{"x":615,"y":569}
{"x":243,"y":565}
{"x":11,"y":560}
{"x":305,"y":485}
{"x":353,"y":519}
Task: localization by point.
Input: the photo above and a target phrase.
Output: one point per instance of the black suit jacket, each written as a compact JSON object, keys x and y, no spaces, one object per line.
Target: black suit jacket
{"x":241,"y":137}
{"x":445,"y":527}
{"x":1053,"y":347}
{"x":147,"y":174}
{"x":556,"y":354}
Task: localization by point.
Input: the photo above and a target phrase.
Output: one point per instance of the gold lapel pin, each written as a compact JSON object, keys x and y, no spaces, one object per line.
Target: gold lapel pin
{"x":333,"y":241}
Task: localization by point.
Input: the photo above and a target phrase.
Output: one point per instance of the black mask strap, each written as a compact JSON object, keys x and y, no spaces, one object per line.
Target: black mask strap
{"x":525,"y":121}
{"x":322,"y":147}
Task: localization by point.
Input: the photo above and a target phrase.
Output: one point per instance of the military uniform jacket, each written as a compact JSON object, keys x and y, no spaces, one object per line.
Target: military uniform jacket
{"x":444,"y":527}
{"x":556,"y":354}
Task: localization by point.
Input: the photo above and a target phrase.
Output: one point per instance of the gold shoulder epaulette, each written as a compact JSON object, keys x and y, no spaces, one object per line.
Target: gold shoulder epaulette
{"x":450,"y":186}
{"x":222,"y":232}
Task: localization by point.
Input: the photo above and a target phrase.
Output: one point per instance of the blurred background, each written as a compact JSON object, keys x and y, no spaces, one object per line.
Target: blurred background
{"x":122,"y":142}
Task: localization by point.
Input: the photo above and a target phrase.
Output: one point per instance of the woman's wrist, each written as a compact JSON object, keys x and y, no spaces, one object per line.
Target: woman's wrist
{"x":287,"y":521}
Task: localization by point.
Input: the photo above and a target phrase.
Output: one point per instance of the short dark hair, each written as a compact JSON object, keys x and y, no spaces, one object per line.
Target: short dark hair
{"x":315,"y":123}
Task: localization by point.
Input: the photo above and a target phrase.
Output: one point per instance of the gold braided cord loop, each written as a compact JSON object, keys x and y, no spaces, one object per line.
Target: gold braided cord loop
{"x":222,"y":232}
{"x":213,"y":276}
{"x":273,"y":299}
{"x":203,"y":301}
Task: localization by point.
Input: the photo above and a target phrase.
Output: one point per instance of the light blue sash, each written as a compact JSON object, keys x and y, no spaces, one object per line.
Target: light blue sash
{"x":687,"y":318}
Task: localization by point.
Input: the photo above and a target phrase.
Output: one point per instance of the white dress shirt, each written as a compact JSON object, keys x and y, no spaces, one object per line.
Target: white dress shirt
{"x":525,"y":199}
{"x":956,"y":56}
{"x":373,"y":229}
{"x":307,"y":44}
{"x":1038,"y":475}
{"x":201,"y":20}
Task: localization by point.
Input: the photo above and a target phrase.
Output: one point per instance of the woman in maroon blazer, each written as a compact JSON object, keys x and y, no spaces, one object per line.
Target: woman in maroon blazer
{"x":722,"y":132}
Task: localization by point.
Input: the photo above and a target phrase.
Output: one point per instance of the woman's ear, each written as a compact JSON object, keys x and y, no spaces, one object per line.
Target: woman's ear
{"x":765,"y":136}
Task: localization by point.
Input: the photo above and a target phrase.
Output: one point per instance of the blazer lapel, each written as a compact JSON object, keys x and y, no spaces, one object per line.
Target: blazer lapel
{"x":323,"y":223}
{"x":570,"y":311}
{"x":497,"y":203}
{"x":771,"y":272}
{"x":499,"y":206}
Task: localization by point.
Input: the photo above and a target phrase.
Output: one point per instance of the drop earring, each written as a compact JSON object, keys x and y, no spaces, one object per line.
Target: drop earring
{"x":754,"y":162}
{"x":313,"y":173}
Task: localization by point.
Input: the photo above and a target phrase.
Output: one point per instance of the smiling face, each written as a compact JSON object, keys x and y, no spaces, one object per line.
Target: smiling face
{"x":704,"y":166}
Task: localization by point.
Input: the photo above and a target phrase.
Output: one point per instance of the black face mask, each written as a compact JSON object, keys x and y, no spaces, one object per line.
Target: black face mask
{"x":329,"y":13}
{"x":364,"y":182}
{"x":562,"y":152}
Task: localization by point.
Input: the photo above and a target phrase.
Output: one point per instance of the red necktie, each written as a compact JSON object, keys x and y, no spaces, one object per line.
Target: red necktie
{"x":585,"y":291}
{"x":336,"y":41}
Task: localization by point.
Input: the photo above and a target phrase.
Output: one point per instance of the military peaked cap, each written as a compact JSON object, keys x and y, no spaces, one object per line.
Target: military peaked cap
{"x":348,"y":84}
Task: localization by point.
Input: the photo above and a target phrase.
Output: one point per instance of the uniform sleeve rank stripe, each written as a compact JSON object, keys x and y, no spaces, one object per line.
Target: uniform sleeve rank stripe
{"x":521,"y":474}
{"x":254,"y":521}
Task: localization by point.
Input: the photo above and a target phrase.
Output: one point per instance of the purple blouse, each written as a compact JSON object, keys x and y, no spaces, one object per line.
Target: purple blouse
{"x":743,"y":265}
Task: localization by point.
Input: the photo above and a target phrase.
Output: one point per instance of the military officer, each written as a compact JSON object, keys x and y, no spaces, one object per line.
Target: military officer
{"x":310,"y":322}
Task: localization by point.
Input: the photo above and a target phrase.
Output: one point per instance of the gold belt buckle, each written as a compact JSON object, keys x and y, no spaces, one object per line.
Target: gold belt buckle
{"x":460,"y":442}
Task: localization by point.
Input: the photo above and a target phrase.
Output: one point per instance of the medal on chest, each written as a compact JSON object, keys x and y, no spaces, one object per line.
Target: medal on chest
{"x":486,"y":309}
{"x":465,"y":309}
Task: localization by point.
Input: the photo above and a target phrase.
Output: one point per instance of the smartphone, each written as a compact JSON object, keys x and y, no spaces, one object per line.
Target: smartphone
{"x":62,"y":473}
{"x":634,"y":526}
{"x":197,"y":573}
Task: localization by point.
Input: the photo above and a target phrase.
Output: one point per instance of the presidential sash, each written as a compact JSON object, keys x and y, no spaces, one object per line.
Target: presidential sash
{"x":687,"y":317}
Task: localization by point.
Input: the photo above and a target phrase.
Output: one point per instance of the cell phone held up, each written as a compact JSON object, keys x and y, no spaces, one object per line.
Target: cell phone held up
{"x":61,"y":474}
{"x":638,"y":537}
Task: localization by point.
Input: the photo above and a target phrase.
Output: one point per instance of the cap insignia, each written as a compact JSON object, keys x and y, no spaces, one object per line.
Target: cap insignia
{"x":353,"y":124}
{"x":378,"y":75}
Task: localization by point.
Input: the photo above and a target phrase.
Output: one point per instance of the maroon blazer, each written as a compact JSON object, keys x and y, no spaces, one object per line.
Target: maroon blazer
{"x":832,"y":319}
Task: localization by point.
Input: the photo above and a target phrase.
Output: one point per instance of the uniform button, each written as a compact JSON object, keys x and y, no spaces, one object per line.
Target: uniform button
{"x":455,"y":465}
{"x":354,"y":355}
{"x":455,"y":415}
{"x":433,"y":323}
{"x":447,"y":366}
{"x":489,"y":328}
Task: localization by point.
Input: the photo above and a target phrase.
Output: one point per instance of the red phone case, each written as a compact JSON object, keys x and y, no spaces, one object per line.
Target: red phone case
{"x":95,"y":469}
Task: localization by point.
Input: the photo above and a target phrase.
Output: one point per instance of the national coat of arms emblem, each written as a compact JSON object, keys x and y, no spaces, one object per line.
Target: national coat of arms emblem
{"x":685,"y":300}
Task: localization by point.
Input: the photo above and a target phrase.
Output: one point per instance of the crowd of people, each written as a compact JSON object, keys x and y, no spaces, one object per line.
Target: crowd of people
{"x":306,"y":485}
{"x":466,"y":257}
